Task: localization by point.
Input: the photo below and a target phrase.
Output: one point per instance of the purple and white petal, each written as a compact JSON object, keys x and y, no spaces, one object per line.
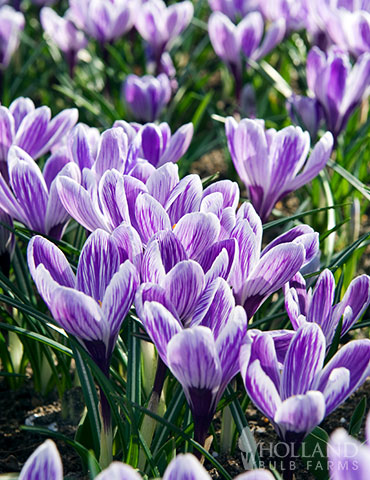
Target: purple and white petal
{"x":185,"y":467}
{"x":129,"y":244}
{"x":178,"y":145}
{"x":44,"y":464}
{"x":118,"y":471}
{"x":151,"y":217}
{"x":184,"y":198}
{"x":162,"y":182}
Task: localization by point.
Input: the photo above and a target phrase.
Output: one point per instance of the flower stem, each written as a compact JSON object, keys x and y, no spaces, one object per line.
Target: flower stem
{"x":106,"y":434}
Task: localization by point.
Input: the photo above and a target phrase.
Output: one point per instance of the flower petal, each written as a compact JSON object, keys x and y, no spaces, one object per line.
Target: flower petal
{"x":44,"y":464}
{"x":185,"y":467}
{"x":118,"y":471}
{"x":151,"y":217}
{"x":184,"y":198}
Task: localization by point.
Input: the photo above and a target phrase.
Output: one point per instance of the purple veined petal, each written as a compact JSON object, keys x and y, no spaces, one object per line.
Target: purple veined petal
{"x":228,"y":344}
{"x":316,"y":162}
{"x":118,"y":471}
{"x":345,"y":451}
{"x":42,"y":251}
{"x":44,"y":464}
{"x":178,"y":145}
{"x":163,"y":180}
{"x":129,"y":244}
{"x":211,"y":262}
{"x":78,"y":314}
{"x":296,"y":300}
{"x":258,"y":385}
{"x":355,"y":301}
{"x":119,"y":296}
{"x":9,"y":204}
{"x":112,"y":211}
{"x":274,"y":269}
{"x":29,"y":187}
{"x":355,"y":357}
{"x":112,"y":151}
{"x":143,"y":170}
{"x":229,"y":190}
{"x":249,"y":146}
{"x":212,"y":203}
{"x":32,"y":129}
{"x":303,"y":234}
{"x":160,"y":325}
{"x":228,"y":221}
{"x":263,"y":349}
{"x":128,"y":128}
{"x":19,"y":108}
{"x":214,"y":306}
{"x":249,"y":32}
{"x":80,"y":148}
{"x":151,"y":142}
{"x":129,"y":188}
{"x":315,"y":63}
{"x":282,"y":340}
{"x":185,"y":467}
{"x":45,"y":284}
{"x":322,"y":301}
{"x":303,"y":361}
{"x":337,"y":385}
{"x":79,"y":204}
{"x":224,"y":39}
{"x":248,"y":212}
{"x":258,"y":474}
{"x":183,"y":285}
{"x":197,"y":231}
{"x":150,"y":216}
{"x":193,"y":359}
{"x":59,"y":126}
{"x":150,"y":292}
{"x":301,"y":413}
{"x":55,"y":164}
{"x":99,"y":261}
{"x":184,"y":198}
{"x":249,"y":252}
{"x":274,"y":35}
{"x":7,"y":129}
{"x":56,"y":216}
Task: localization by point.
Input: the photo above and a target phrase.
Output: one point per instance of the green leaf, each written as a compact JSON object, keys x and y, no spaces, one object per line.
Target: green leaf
{"x":313,"y":453}
{"x":357,"y":417}
{"x":355,"y":182}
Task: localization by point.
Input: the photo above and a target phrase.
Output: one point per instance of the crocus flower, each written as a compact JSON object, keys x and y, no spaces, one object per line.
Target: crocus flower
{"x":44,"y":464}
{"x":11,"y":25}
{"x":298,"y":394}
{"x":32,"y":128}
{"x":159,"y":25}
{"x":257,"y":274}
{"x":348,"y":458}
{"x":92,"y":304}
{"x":317,"y":305}
{"x":203,"y":357}
{"x":31,"y":197}
{"x":337,"y":85}
{"x":305,"y":112}
{"x":64,"y":33}
{"x":146,"y":96}
{"x":229,"y":40}
{"x":104,"y":20}
{"x":294,"y":12}
{"x":274,"y":163}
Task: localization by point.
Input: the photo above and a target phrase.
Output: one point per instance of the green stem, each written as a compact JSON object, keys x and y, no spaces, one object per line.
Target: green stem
{"x":106,"y":445}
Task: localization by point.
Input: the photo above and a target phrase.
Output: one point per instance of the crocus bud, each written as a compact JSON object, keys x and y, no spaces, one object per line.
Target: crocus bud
{"x":11,"y":24}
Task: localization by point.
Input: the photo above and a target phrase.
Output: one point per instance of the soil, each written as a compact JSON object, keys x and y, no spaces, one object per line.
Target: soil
{"x":21,"y":406}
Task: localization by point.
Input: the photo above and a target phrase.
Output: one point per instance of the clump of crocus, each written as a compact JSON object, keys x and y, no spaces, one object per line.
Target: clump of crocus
{"x":146,"y":96}
{"x":11,"y":25}
{"x":274,"y":163}
{"x":317,"y":305}
{"x":64,"y":33}
{"x":229,"y":40}
{"x":92,"y":304}
{"x":337,"y":85}
{"x":104,"y":20}
{"x":297,"y":392}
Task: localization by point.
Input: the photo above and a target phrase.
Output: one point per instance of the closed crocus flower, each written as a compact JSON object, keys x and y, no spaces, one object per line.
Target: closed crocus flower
{"x":31,"y":197}
{"x":104,"y":20}
{"x":146,"y":96}
{"x":299,"y":392}
{"x":317,"y":305}
{"x":274,"y":163}
{"x":44,"y":464}
{"x":338,"y":86}
{"x":64,"y":33}
{"x":159,"y":25}
{"x":11,"y":25}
